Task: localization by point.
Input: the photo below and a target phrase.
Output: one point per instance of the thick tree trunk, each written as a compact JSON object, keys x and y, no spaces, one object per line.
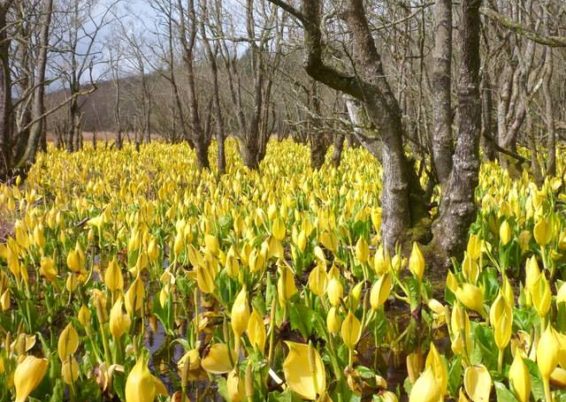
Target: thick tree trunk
{"x":549,"y":115}
{"x":535,"y":166}
{"x":363,"y":132}
{"x":338,"y":149}
{"x":249,"y":152}
{"x":458,"y":208}
{"x":6,"y":125}
{"x":442,"y":147}
{"x":319,"y":146}
{"x":188,"y":39}
{"x":38,"y":107}
{"x":318,"y":138}
{"x":488,"y":130}
{"x":212,"y":55}
{"x":402,"y":202}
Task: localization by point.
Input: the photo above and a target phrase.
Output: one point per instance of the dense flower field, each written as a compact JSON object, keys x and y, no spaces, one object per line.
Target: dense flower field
{"x":132,"y":276}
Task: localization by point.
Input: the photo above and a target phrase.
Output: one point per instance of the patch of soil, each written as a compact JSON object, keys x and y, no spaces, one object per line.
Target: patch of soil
{"x":6,"y":226}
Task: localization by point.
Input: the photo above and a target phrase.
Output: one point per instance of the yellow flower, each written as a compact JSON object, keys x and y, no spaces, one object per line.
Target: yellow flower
{"x":355,"y":295}
{"x":304,"y":370}
{"x":381,"y":261}
{"x":68,"y":342}
{"x":70,"y":370}
{"x":205,"y":278}
{"x":436,"y":363}
{"x":318,"y":279}
{"x":285,"y":285}
{"x":5,"y":301}
{"x":520,"y":379}
{"x":505,"y":233}
{"x":333,"y":321}
{"x":84,"y":316}
{"x":28,"y":375}
{"x":135,"y":296}
{"x":141,"y":385}
{"x":219,"y":359}
{"x":417,"y":262}
{"x":380,"y":291}
{"x":524,"y":239}
{"x":47,"y":268}
{"x":501,"y":318}
{"x":461,"y":330}
{"x":235,"y":387}
{"x":451,"y":282}
{"x":426,"y":388}
{"x":532,"y":272}
{"x":302,"y":241}
{"x":256,"y":331}
{"x":474,"y":247}
{"x":547,"y":352}
{"x":212,"y":244}
{"x":541,"y":296}
{"x":334,"y":291}
{"x":471,"y":296}
{"x":351,"y":331}
{"x":119,"y":321}
{"x":278,"y":229}
{"x":439,"y":312}
{"x":543,"y":232}
{"x":477,"y":383}
{"x":113,"y":276}
{"x":470,"y":269}
{"x":240,"y":313}
{"x":329,"y":240}
{"x":232,"y":265}
{"x":76,"y":259}
{"x":362,"y":250}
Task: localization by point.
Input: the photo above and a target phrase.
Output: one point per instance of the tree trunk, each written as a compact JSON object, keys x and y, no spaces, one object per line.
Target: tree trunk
{"x":212,"y":55}
{"x":401,"y":200}
{"x":6,"y":125}
{"x":188,"y":39}
{"x":458,"y":209}
{"x":442,"y":91}
{"x":338,"y":149}
{"x":549,"y":115}
{"x":488,"y":130}
{"x":37,"y":128}
{"x":318,"y":139}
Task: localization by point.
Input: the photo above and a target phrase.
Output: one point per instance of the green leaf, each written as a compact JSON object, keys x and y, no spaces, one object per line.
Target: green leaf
{"x":485,"y":349}
{"x":285,"y":396}
{"x":503,"y":394}
{"x":454,"y":375}
{"x":537,"y":387}
{"x":301,"y":318}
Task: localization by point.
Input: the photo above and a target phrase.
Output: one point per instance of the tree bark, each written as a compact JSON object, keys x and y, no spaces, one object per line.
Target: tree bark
{"x":6,"y":124}
{"x":458,"y":208}
{"x":38,"y":107}
{"x":549,"y":115}
{"x":488,"y":130}
{"x":188,"y":39}
{"x":338,"y":149}
{"x":442,"y":147}
{"x":212,"y":55}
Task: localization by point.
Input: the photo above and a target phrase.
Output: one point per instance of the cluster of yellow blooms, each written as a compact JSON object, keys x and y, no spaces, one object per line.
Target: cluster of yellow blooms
{"x":269,"y":285}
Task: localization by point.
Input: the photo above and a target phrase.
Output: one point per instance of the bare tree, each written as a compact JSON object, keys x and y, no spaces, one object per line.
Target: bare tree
{"x":77,"y":33}
{"x":6,"y":123}
{"x":404,"y":206}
